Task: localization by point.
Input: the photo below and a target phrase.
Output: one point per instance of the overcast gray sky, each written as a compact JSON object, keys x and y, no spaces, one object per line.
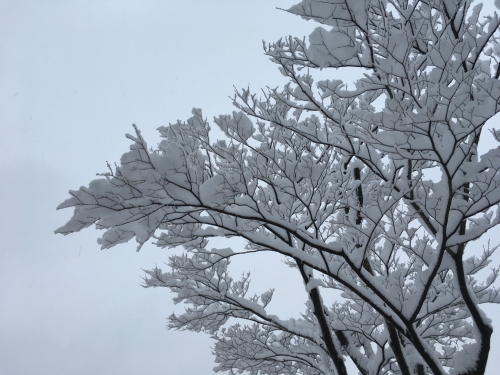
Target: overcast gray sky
{"x":74,"y":76}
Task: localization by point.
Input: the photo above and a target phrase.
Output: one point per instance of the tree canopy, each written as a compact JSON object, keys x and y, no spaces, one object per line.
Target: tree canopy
{"x":376,"y":190}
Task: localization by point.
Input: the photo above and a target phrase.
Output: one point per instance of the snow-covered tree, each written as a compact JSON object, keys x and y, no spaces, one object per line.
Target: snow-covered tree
{"x":376,"y":190}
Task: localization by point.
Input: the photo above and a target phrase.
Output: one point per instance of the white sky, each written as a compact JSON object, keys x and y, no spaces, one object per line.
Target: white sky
{"x":74,"y":76}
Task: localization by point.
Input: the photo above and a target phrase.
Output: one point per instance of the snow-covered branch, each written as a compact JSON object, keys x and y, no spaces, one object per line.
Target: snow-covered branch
{"x":384,"y":204}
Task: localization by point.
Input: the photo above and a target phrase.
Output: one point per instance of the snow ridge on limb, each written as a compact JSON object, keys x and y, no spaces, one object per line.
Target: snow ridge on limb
{"x":383,"y":205}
